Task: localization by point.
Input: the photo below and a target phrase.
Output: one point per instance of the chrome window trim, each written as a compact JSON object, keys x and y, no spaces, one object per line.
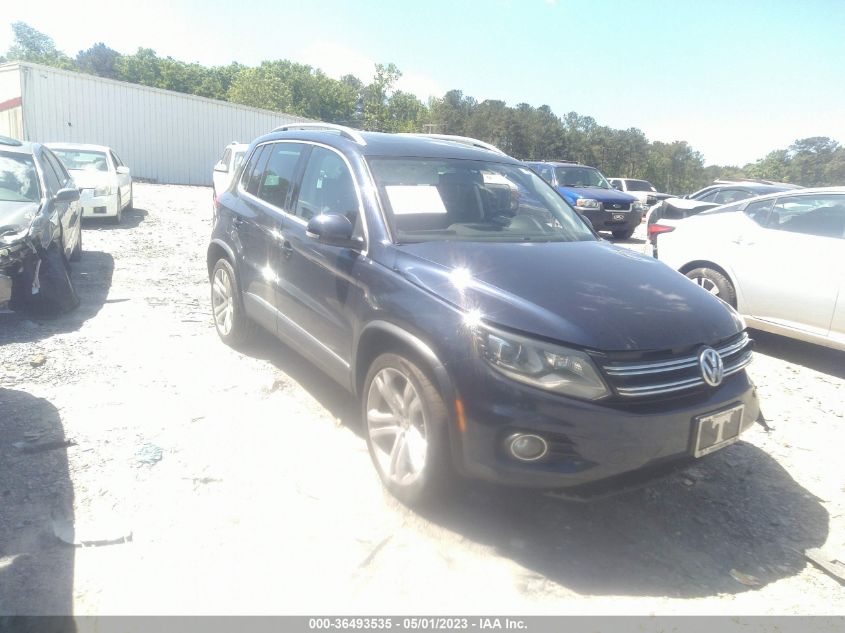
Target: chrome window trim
{"x":293,"y":216}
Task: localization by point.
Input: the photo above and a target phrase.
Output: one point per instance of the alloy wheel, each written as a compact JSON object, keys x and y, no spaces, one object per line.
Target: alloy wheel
{"x":222,"y":301}
{"x":708,"y":284}
{"x":397,"y":427}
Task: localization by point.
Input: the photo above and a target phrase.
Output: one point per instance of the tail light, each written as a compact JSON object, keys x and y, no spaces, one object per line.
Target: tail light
{"x":656,"y":229}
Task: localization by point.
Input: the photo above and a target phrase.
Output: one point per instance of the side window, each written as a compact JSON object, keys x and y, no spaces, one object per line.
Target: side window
{"x":278,"y":173}
{"x":226,"y":156}
{"x":726,"y":196}
{"x":821,"y":215}
{"x":252,"y":174}
{"x":61,"y":170}
{"x":327,"y":187}
{"x":117,"y":162}
{"x":708,"y":197}
{"x":759,"y":211}
{"x":617,"y":184}
{"x":51,"y":174}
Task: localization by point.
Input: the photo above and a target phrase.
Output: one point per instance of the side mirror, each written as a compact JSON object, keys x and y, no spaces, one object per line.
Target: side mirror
{"x":123,"y":169}
{"x":221,"y":167}
{"x":333,"y":229}
{"x":70,"y":194}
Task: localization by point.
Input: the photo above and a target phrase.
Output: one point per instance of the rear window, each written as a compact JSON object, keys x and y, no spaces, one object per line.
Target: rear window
{"x":640,"y":185}
{"x":83,"y":159}
{"x":18,"y":178}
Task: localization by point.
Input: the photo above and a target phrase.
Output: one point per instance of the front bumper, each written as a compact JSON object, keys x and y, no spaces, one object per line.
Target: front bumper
{"x":610,"y":220}
{"x":611,"y":442}
{"x":97,"y":206}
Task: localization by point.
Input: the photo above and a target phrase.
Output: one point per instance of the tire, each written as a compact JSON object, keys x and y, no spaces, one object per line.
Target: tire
{"x":76,"y":253}
{"x":623,"y":235}
{"x":129,"y":206}
{"x":233,"y":325}
{"x":117,"y":219}
{"x":715,"y":283}
{"x":406,"y":430}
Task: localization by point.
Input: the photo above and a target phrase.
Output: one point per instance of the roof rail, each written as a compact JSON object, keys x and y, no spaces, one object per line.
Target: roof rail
{"x":463,"y":140}
{"x":350,"y":133}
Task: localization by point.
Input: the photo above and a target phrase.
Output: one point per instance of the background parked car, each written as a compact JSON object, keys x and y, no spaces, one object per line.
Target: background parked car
{"x":719,"y":193}
{"x":104,"y":181}
{"x":225,"y":168}
{"x":589,"y":192}
{"x":40,"y":229}
{"x":777,"y":258}
{"x":642,"y":190}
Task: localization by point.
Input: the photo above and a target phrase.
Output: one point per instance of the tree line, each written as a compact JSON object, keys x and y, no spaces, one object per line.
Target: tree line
{"x":523,"y":131}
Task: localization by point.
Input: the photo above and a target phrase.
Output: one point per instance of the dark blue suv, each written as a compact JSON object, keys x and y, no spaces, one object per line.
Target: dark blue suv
{"x":481,"y":323}
{"x":584,"y":188}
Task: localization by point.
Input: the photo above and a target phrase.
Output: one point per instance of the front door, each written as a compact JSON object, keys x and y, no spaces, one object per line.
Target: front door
{"x":319,"y":290}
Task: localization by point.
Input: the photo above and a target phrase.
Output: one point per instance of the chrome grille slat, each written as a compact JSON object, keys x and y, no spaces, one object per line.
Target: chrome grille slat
{"x":675,"y":370}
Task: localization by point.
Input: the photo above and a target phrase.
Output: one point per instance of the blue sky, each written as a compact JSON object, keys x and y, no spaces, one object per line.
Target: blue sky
{"x":735,"y":79}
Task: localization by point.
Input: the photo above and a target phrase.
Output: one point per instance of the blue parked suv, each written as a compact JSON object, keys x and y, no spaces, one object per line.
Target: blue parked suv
{"x":483,"y":326}
{"x":588,"y":191}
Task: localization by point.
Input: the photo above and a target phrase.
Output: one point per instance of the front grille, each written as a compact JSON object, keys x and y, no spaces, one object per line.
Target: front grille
{"x":617,"y":206}
{"x":639,"y":379}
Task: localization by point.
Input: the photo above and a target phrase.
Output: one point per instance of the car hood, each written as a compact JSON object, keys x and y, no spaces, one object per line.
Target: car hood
{"x":16,"y":216}
{"x":597,"y":193}
{"x":590,"y":294}
{"x":89,"y":178}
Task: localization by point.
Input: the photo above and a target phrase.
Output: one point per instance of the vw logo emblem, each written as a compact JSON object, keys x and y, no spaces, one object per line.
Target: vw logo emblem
{"x":711,"y":366}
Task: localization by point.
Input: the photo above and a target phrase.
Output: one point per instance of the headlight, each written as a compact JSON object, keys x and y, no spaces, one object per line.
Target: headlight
{"x":542,"y":365}
{"x":587,"y":203}
{"x":105,"y":190}
{"x":638,"y":206}
{"x":13,"y":235}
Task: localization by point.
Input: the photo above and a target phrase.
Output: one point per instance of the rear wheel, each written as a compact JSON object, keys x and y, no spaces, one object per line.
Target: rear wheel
{"x":624,"y":234}
{"x":230,"y":319}
{"x":406,"y":429}
{"x":715,"y":283}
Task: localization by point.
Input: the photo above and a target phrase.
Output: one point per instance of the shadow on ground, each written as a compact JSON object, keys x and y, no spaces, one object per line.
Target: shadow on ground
{"x":737,"y":509}
{"x":91,"y":277}
{"x":131,"y":219}
{"x":36,"y":569}
{"x":334,"y":398}
{"x":822,"y":359}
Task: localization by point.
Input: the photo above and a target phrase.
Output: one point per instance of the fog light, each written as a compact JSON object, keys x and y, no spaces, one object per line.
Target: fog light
{"x":527,"y":448}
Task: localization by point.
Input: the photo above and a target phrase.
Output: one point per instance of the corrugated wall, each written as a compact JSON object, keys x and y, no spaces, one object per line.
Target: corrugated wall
{"x":161,"y":135}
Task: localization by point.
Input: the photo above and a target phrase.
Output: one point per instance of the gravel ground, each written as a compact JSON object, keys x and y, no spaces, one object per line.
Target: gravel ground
{"x":204,"y":480}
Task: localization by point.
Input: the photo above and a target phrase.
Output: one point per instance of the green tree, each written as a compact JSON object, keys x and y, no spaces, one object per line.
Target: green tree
{"x":31,"y":45}
{"x":376,"y":96}
{"x":98,"y":60}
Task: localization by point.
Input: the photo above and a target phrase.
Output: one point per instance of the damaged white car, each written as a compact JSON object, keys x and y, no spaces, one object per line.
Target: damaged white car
{"x":40,"y":230}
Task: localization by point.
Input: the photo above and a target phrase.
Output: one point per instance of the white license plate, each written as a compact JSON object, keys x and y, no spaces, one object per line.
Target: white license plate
{"x":618,"y":217}
{"x":716,"y":430}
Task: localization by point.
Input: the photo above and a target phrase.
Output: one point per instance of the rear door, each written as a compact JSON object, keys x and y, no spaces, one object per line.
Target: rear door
{"x":265,"y":197}
{"x":319,"y":292}
{"x":788,"y":261}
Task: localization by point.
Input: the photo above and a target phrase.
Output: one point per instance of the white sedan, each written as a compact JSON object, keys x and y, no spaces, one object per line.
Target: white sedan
{"x":778,"y":259}
{"x":225,"y":168}
{"x":105,"y":183}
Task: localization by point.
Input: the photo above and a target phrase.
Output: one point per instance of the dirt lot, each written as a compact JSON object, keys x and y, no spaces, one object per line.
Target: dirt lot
{"x":226,"y":482}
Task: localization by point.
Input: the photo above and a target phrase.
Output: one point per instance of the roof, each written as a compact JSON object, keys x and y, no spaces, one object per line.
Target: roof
{"x":801,"y":191}
{"x":88,"y":146}
{"x":395,"y":145}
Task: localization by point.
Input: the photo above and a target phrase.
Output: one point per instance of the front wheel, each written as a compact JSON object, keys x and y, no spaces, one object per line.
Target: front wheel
{"x":406,"y":429}
{"x":76,"y":253}
{"x":715,"y":283}
{"x":119,"y":215}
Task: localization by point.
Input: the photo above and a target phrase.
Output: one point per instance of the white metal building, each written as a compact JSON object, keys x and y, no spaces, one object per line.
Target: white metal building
{"x":164,"y":136}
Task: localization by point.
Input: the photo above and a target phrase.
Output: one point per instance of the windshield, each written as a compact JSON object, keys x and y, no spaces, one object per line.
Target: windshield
{"x":82,"y":159}
{"x":18,"y":178}
{"x":578,"y":176}
{"x":428,"y":199}
{"x":640,"y":185}
{"x":238,"y":159}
